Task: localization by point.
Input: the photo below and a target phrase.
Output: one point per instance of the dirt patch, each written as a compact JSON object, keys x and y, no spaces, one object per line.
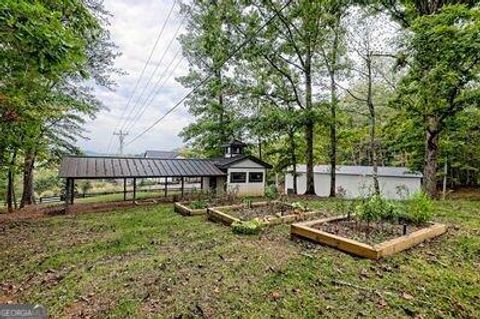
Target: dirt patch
{"x":368,"y":233}
{"x":36,"y":212}
{"x":272,"y":209}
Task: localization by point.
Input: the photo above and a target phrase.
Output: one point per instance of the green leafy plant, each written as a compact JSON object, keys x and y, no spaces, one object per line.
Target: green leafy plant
{"x":371,"y":209}
{"x":247,"y":202}
{"x":249,"y":227}
{"x":377,"y":208}
{"x":271,"y":192}
{"x":299,"y":206}
{"x":198,"y":204}
{"x":419,"y":209}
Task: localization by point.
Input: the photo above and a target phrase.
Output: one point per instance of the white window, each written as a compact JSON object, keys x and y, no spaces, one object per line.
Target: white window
{"x":255,"y":177}
{"x":238,"y":177}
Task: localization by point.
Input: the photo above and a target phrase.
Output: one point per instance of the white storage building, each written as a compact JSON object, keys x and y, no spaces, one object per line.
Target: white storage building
{"x":357,"y":181}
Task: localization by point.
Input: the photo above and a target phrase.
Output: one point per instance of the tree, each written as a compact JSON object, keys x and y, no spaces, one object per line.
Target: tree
{"x":207,"y":44}
{"x":372,"y":64}
{"x":289,"y":48}
{"x":443,"y":75}
{"x":51,"y":48}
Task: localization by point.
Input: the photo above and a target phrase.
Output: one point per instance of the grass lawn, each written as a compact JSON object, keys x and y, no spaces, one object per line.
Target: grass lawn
{"x":151,"y":262}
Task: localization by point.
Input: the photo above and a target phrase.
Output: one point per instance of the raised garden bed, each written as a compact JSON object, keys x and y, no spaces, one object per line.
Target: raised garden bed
{"x":371,"y":240}
{"x":183,"y":209}
{"x":268,"y":213}
{"x":199,"y":207}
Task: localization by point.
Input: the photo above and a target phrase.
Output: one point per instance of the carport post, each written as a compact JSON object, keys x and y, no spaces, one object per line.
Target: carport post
{"x":124,"y":189}
{"x":166,"y":186}
{"x":183,"y":184}
{"x":67,"y":194}
{"x":134,"y":189}
{"x":72,"y":192}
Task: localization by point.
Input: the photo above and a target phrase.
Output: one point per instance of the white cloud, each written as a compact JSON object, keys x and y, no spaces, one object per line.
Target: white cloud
{"x":135,"y":26}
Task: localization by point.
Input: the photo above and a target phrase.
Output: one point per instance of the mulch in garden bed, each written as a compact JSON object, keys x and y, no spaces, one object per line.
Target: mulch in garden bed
{"x":272,"y":209}
{"x":368,"y":233}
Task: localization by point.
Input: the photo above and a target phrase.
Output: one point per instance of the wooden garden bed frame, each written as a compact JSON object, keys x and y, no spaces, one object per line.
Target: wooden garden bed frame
{"x":183,"y":209}
{"x":215,"y":214}
{"x":384,"y":249}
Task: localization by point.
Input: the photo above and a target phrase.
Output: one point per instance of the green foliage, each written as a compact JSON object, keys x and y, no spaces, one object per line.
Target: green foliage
{"x":271,"y":192}
{"x":419,"y":209}
{"x":376,"y":208}
{"x":198,"y":204}
{"x":249,"y":227}
{"x":85,"y":186}
{"x":52,"y":53}
{"x":299,"y":206}
{"x":371,"y":209}
{"x":47,"y":180}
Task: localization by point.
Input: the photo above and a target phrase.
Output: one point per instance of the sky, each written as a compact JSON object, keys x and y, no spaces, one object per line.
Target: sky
{"x":135,"y":26}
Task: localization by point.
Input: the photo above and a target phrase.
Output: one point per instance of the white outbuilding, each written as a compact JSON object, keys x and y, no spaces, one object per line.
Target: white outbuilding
{"x":357,"y":181}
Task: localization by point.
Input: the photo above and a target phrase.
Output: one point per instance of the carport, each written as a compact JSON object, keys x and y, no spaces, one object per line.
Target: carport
{"x":96,"y":167}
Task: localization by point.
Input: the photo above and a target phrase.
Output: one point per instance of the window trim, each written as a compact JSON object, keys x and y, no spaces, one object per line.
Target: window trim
{"x":257,"y":181}
{"x":238,"y":182}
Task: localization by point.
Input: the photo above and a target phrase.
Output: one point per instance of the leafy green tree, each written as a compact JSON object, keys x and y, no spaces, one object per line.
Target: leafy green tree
{"x":442,"y":79}
{"x":51,"y":48}
{"x":207,"y":45}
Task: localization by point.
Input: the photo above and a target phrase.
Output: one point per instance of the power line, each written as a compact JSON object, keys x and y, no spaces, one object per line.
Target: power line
{"x":240,"y":47}
{"x":153,"y":73}
{"x":148,"y":101}
{"x":143,"y":70}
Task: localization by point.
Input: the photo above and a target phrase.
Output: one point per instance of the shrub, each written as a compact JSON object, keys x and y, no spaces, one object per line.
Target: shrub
{"x":419,"y":208}
{"x":198,"y":204}
{"x":250,"y":227}
{"x":376,"y":208}
{"x":371,"y":209}
{"x":271,"y":192}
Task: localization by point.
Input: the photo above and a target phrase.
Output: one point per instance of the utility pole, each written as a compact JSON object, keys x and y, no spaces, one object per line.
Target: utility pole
{"x":121,"y":139}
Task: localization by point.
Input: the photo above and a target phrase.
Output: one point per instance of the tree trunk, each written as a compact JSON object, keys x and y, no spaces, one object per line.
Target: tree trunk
{"x":333,"y":109}
{"x":431,"y":155}
{"x":260,"y":148}
{"x":293,"y":149}
{"x":28,"y":197}
{"x":373,"y":142}
{"x":223,"y":135}
{"x":309,"y":125}
{"x":333,"y":135}
{"x":11,"y":203}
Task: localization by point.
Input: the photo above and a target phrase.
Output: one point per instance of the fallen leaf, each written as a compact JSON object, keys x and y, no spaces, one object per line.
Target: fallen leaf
{"x":276,"y":295}
{"x":407,"y":296}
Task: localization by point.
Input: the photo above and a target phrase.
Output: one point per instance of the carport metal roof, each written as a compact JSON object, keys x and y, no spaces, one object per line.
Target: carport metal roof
{"x":91,"y":167}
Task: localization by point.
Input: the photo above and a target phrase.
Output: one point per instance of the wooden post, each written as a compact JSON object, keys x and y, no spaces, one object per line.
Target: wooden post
{"x":166,"y":186}
{"x":183,"y":184}
{"x":67,"y":195}
{"x":72,"y":192}
{"x":201,"y":183}
{"x":134,"y":189}
{"x":124,"y":189}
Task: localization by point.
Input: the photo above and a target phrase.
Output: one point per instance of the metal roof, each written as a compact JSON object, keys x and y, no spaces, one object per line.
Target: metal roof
{"x":225,"y":162}
{"x":383,"y":171}
{"x":128,"y":167}
{"x":160,"y":154}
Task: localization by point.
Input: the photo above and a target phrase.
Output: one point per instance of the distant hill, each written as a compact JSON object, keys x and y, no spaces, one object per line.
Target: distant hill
{"x":93,"y":153}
